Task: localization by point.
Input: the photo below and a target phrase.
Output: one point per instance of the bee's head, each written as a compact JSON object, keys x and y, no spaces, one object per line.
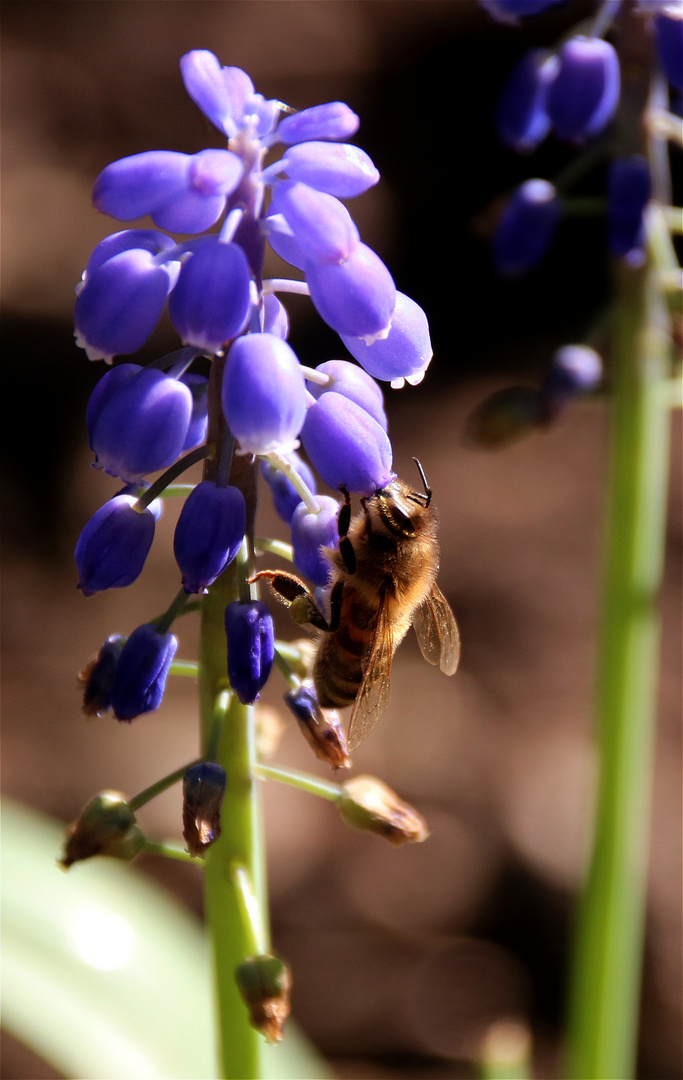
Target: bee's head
{"x":401,"y":509}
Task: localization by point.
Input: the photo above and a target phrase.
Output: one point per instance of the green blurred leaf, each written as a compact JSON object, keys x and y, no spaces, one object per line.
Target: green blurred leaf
{"x":104,"y":975}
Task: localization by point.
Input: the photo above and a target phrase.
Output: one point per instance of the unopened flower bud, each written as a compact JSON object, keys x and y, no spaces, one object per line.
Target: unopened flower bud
{"x":203,"y":792}
{"x":669,"y":39}
{"x":526,"y":227}
{"x":404,"y":353}
{"x":333,"y":120}
{"x":346,"y":445}
{"x":251,"y":648}
{"x":210,"y":302}
{"x":310,"y":534}
{"x":355,"y":297}
{"x":143,"y":426}
{"x":521,"y":118}
{"x":141,"y":672}
{"x":628,"y":192}
{"x":322,"y":226}
{"x":321,"y":728}
{"x":97,"y":676}
{"x":106,"y":826}
{"x":113,"y":545}
{"x":336,"y":168}
{"x":508,"y":11}
{"x":369,"y":805}
{"x":585,"y":91}
{"x":199,"y":420}
{"x":265,"y":984}
{"x":353,"y":382}
{"x":208,"y":534}
{"x":264,"y":394}
{"x":575,"y":369}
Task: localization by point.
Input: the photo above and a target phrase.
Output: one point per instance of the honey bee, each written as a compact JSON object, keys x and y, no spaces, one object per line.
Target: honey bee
{"x":383,"y":580}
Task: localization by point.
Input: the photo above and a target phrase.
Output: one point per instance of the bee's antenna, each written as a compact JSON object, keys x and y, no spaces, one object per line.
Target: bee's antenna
{"x":428,"y":490}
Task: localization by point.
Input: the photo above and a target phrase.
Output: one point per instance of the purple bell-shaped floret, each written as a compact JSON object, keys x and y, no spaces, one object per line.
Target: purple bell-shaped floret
{"x":264,"y":394}
{"x":121,"y":303}
{"x":521,"y":117}
{"x":143,"y":426}
{"x":110,"y":382}
{"x":322,"y":226}
{"x":669,"y":38}
{"x":338,"y":168}
{"x":181,"y":192}
{"x":275,"y":317}
{"x":251,"y":648}
{"x":113,"y":545}
{"x":404,"y":353}
{"x":310,"y":533}
{"x":145,"y":239}
{"x":333,"y":120}
{"x":285,"y":496}
{"x":220,"y":92}
{"x":209,"y":532}
{"x":628,"y":192}
{"x":585,"y":91}
{"x":354,"y":383}
{"x":526,"y":227}
{"x":356,"y":297}
{"x":347,"y":447}
{"x":141,"y":672}
{"x":210,"y":303}
{"x":575,"y":369}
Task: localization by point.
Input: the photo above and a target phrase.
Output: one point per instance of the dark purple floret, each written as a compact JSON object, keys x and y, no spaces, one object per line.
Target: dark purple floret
{"x":526,"y":227}
{"x":208,"y":535}
{"x":97,"y":678}
{"x":509,"y":10}
{"x":143,"y":426}
{"x":141,"y":673}
{"x":521,"y":118}
{"x":113,"y":545}
{"x":251,"y":648}
{"x":628,"y":192}
{"x":669,"y":38}
{"x":585,"y":92}
{"x":210,"y":302}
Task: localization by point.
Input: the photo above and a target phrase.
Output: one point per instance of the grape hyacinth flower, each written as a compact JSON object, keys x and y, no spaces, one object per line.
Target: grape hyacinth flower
{"x":628,"y":192}
{"x":215,"y":213}
{"x":584,"y":94}
{"x":522,"y":117}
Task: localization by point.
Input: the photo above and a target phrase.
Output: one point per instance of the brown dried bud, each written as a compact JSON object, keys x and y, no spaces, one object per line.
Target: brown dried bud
{"x":320,"y":727}
{"x":265,"y":983}
{"x":369,"y":804}
{"x":203,"y":792}
{"x":106,"y":827}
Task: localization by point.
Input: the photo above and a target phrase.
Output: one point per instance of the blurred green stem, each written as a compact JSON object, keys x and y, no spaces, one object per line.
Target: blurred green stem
{"x":603,"y":1020}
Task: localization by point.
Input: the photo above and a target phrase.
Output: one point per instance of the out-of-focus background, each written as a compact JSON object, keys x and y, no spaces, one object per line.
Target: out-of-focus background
{"x":403,"y":959}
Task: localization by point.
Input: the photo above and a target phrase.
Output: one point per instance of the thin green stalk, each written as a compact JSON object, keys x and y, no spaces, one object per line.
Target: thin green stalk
{"x":603,"y":1019}
{"x":170,"y":851}
{"x":241,"y":842}
{"x":325,"y":789}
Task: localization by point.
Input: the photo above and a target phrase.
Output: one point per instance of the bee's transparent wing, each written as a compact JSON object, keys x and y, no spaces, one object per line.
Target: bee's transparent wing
{"x":373,"y":696}
{"x":437,"y":632}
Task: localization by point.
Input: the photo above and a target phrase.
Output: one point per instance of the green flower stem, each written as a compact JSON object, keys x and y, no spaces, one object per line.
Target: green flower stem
{"x":170,"y":851}
{"x":274,"y":547}
{"x":161,"y":785}
{"x":177,"y":491}
{"x":241,"y":842}
{"x":281,"y":663}
{"x":603,"y":1017}
{"x":188,"y":668}
{"x":251,"y":913}
{"x":303,"y":781}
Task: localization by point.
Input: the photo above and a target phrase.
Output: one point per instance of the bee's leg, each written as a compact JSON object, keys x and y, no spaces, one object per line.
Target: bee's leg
{"x":292,"y":592}
{"x":345,"y":546}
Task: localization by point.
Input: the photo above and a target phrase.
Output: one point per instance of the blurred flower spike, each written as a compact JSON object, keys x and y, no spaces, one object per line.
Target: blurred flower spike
{"x":106,"y":826}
